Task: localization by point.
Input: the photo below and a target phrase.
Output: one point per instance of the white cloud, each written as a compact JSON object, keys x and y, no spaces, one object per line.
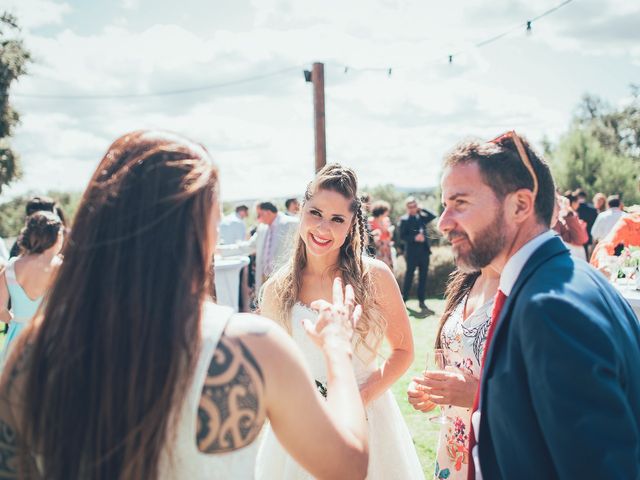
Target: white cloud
{"x":391,"y":129}
{"x":130,"y":4}
{"x":37,"y":13}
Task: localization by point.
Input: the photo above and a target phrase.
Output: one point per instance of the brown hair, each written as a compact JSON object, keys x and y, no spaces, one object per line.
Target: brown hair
{"x":40,"y":232}
{"x":380,"y":207}
{"x":287,"y":282}
{"x":113,"y":352}
{"x":459,"y":285}
{"x":504,"y":171}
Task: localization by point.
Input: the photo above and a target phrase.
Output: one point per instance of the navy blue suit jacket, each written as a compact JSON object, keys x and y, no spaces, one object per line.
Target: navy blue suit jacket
{"x":560,"y":392}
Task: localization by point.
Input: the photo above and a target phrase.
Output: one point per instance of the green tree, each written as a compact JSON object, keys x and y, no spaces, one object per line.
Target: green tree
{"x":601,"y":150}
{"x":13,"y":61}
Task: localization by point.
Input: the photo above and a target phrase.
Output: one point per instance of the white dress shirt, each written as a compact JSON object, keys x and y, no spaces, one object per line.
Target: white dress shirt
{"x":604,"y":223}
{"x":232,"y":229}
{"x":510,"y":273}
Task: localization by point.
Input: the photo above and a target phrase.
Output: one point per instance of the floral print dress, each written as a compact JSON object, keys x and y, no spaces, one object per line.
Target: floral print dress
{"x":463,"y":341}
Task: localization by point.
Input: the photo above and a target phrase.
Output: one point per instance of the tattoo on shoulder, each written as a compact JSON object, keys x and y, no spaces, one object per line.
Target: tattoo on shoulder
{"x":232,"y":409}
{"x":8,"y":451}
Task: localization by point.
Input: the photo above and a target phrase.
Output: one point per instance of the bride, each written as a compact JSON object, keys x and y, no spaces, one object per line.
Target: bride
{"x":330,"y":243}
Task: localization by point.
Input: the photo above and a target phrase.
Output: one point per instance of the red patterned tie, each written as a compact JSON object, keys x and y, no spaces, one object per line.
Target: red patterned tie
{"x":495,"y":314}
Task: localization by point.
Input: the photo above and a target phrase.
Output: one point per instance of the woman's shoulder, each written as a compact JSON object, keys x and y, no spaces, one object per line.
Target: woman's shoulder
{"x":236,"y":365}
{"x":379,"y":270}
{"x":261,"y":338}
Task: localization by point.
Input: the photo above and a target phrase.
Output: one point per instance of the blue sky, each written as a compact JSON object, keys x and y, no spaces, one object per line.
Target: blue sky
{"x":390,"y":129}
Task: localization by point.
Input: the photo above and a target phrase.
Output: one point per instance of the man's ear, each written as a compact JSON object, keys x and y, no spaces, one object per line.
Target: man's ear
{"x":519,"y":206}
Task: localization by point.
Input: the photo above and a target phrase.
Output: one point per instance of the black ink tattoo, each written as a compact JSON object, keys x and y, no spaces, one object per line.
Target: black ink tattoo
{"x":231,"y":410}
{"x":8,"y":451}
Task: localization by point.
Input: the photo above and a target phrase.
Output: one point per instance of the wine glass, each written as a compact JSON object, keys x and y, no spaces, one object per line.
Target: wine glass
{"x":440,"y":361}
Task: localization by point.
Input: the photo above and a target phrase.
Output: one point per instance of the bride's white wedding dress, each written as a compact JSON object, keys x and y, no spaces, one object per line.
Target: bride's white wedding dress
{"x":392,"y":454}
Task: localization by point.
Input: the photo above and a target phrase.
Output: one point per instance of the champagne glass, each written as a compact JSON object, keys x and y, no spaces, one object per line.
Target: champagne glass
{"x":440,"y":361}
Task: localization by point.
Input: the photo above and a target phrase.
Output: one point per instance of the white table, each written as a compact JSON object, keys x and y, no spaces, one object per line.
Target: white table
{"x":227,"y":279}
{"x":631,"y":295}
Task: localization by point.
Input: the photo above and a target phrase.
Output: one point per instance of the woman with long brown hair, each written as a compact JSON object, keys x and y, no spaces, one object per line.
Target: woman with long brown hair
{"x":130,"y":372}
{"x":330,"y":243}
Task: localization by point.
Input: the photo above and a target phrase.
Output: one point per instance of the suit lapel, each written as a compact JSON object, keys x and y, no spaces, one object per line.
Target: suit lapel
{"x":548,"y":250}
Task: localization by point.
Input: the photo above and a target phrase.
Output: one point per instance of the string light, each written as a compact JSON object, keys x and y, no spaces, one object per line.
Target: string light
{"x":528,"y":24}
{"x":307,"y":74}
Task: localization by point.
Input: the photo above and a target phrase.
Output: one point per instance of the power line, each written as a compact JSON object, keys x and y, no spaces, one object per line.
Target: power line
{"x":182,"y":91}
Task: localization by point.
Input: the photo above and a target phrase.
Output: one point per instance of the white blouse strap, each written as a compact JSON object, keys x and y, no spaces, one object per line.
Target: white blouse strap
{"x":10,"y":272}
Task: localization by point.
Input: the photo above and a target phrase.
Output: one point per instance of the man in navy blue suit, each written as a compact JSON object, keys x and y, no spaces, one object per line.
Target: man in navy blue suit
{"x":560,"y":389}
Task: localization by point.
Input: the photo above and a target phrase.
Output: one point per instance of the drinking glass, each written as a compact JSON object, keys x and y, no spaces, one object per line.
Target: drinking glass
{"x":440,"y":362}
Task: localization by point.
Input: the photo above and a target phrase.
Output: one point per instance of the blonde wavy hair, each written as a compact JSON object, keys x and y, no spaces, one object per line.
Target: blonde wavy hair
{"x":286,"y":284}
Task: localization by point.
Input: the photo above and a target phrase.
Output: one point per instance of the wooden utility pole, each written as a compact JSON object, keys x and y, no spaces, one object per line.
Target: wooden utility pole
{"x":316,"y":76}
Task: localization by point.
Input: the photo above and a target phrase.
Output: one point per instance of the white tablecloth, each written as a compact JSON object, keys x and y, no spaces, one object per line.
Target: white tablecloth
{"x":227,"y":279}
{"x":631,"y":295}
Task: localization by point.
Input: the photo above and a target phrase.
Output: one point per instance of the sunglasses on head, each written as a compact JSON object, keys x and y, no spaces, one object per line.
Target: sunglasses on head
{"x":522,"y":153}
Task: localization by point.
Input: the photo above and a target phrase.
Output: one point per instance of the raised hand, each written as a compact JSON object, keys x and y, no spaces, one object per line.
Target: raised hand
{"x":336,"y":321}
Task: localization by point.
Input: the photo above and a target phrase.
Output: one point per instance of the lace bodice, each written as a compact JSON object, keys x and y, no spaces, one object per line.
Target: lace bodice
{"x":364,"y":360}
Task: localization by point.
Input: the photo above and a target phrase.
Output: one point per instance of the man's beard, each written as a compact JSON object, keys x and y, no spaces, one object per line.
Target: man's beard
{"x":488,"y":244}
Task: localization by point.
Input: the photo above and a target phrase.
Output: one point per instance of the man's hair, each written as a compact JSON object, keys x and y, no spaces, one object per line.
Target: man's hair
{"x":39,"y":204}
{"x":613,"y":201}
{"x":578,"y":192}
{"x":268,"y":206}
{"x":241,"y":208}
{"x":409,"y":200}
{"x":504,"y":172}
{"x":289,"y":201}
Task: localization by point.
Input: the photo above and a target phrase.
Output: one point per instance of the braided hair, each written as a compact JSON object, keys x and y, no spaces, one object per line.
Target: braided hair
{"x":287,"y":282}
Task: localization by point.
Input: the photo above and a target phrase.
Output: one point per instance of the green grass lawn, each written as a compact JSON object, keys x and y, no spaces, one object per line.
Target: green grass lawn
{"x":424,"y":433}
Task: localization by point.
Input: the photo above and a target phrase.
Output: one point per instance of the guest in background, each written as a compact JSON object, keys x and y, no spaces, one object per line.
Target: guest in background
{"x":625,"y":232}
{"x":292,"y":207}
{"x":381,"y":230}
{"x":27,"y":277}
{"x":606,"y":220}
{"x":600,"y":202}
{"x":232,"y":226}
{"x":37,"y":204}
{"x":271,"y":243}
{"x":587,"y":213}
{"x":413,"y":231}
{"x":571,"y":229}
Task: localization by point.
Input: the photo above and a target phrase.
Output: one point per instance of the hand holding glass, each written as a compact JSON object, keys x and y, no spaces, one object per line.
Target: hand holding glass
{"x":440,"y":361}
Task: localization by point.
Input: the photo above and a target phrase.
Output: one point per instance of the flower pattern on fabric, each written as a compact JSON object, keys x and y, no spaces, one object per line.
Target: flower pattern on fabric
{"x":464,"y":342}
